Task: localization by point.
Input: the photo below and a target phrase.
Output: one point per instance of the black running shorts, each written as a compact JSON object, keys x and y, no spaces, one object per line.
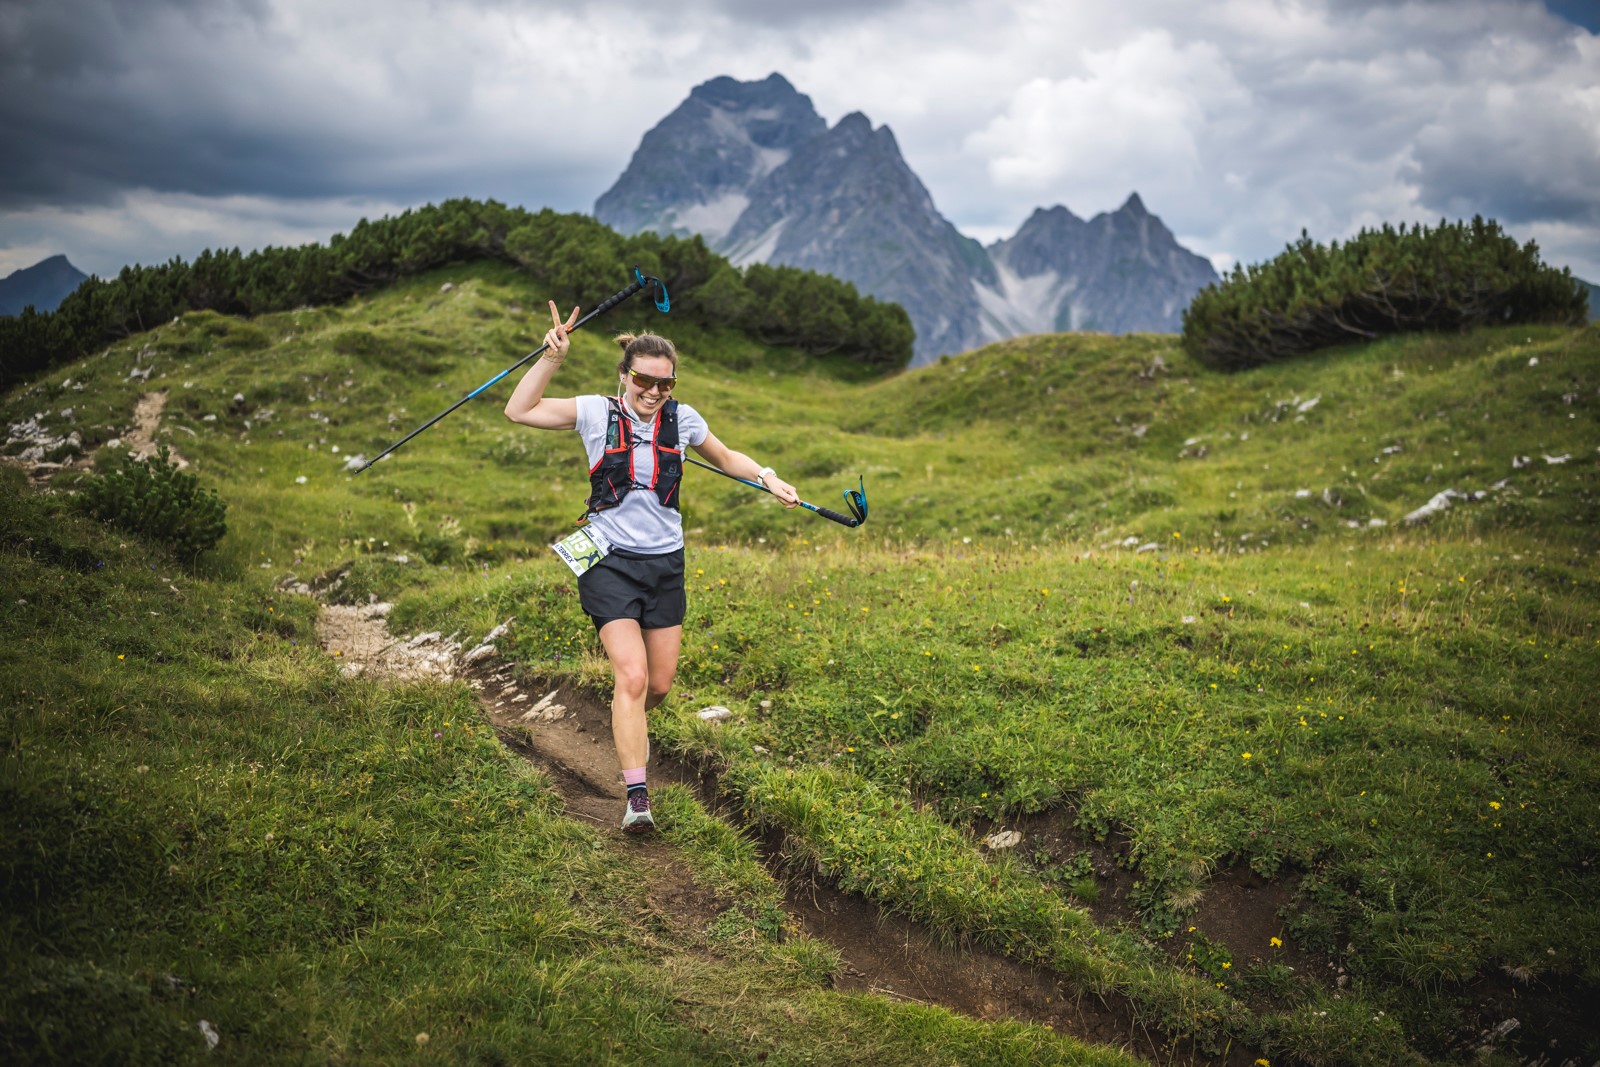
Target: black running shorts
{"x":627,"y":585}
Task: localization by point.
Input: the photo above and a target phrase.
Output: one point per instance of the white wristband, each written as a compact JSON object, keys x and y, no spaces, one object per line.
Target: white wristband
{"x":761,"y":479}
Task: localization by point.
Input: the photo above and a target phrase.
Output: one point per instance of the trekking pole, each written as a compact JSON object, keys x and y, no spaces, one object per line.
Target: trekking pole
{"x":640,"y":281}
{"x":854,"y":499}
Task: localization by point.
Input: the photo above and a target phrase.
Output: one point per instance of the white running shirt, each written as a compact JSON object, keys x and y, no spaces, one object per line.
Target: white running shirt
{"x":638,"y":524}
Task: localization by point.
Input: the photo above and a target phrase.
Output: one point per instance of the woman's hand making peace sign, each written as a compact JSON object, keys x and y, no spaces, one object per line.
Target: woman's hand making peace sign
{"x":556,"y":343}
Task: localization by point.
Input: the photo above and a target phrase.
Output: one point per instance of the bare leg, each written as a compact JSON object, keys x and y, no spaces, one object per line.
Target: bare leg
{"x":643,"y":663}
{"x":661,"y":650}
{"x":625,"y":647}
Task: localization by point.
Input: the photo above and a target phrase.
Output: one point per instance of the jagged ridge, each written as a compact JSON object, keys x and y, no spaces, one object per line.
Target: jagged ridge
{"x":754,"y":169}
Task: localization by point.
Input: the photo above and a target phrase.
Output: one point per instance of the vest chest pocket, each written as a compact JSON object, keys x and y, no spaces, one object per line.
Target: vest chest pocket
{"x":671,"y":460}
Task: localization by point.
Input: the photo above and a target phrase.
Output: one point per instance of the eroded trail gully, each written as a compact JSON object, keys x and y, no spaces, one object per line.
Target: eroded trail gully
{"x":882,"y":953}
{"x":566,"y":732}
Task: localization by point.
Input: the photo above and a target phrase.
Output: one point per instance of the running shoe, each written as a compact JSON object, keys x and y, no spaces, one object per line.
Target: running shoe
{"x":636,"y":818}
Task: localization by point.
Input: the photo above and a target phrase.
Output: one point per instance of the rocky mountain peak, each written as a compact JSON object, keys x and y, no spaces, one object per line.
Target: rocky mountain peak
{"x":724,"y":91}
{"x":1055,"y":217}
{"x":847,"y":204}
{"x":754,"y":169}
{"x":854,"y":125}
{"x":1119,"y":272}
{"x":692,"y":169}
{"x":770,"y":114}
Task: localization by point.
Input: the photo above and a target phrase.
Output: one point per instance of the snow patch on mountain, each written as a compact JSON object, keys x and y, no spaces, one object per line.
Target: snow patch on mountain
{"x":758,"y":249}
{"x":1019,"y":306}
{"x":712,"y":220}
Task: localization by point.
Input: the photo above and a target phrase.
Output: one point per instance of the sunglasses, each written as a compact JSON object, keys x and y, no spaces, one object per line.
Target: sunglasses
{"x":647,"y":382}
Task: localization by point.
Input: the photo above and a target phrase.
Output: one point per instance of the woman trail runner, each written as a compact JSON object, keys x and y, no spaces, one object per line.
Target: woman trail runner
{"x":629,"y":556}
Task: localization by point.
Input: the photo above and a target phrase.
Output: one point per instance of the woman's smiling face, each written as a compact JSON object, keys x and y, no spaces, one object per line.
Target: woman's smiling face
{"x":646,"y":402}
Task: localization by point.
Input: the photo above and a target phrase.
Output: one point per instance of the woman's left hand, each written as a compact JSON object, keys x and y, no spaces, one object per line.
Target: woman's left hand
{"x":783,"y":491}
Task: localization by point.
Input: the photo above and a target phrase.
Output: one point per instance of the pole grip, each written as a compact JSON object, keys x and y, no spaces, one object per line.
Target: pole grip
{"x":842,"y":520}
{"x":612,"y":301}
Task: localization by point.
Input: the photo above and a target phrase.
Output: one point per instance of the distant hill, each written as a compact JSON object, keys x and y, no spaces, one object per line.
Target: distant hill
{"x":1594,"y":298}
{"x":43,"y":285}
{"x":752,"y":168}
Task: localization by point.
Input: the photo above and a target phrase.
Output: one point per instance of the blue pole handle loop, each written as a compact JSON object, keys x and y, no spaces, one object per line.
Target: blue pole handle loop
{"x":856,"y":501}
{"x":658,"y":290}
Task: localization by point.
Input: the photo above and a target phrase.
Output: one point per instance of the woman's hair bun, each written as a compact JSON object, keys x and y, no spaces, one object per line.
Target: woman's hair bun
{"x":645,"y":344}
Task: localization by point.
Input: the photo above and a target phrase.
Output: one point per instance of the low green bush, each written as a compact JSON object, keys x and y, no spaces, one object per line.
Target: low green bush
{"x":153,"y":498}
{"x":1392,"y":280}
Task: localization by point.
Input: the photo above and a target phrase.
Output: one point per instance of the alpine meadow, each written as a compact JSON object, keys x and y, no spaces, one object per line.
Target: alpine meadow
{"x":1236,"y":716}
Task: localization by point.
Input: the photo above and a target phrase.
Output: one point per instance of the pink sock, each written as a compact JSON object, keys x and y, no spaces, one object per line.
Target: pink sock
{"x":632,"y":778}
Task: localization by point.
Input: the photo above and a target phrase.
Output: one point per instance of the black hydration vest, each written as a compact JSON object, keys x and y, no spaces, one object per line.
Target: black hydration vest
{"x":612,"y":478}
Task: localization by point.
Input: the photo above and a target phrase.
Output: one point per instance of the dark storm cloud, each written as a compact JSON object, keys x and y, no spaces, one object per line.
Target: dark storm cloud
{"x":1585,"y":13}
{"x":140,"y":129}
{"x":77,"y":81}
{"x":258,"y":98}
{"x":1518,"y":138}
{"x":97,"y":97}
{"x":219,"y":99}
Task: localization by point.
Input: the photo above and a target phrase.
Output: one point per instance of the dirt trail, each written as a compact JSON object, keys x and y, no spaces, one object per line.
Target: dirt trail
{"x":41,"y":441}
{"x":141,"y":440}
{"x":567,"y":733}
{"x":359,"y":637}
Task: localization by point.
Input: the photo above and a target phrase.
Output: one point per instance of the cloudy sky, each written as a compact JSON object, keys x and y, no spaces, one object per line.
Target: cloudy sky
{"x":139,"y":130}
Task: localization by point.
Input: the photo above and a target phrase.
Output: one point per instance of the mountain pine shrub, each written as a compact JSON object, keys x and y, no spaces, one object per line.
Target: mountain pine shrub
{"x":1394,"y":280}
{"x":153,"y":498}
{"x":572,"y":258}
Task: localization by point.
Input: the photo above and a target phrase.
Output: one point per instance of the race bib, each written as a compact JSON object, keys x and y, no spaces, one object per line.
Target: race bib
{"x":582,"y":549}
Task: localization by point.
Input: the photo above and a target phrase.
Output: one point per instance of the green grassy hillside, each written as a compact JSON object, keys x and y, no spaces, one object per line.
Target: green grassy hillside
{"x":1142,"y":611}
